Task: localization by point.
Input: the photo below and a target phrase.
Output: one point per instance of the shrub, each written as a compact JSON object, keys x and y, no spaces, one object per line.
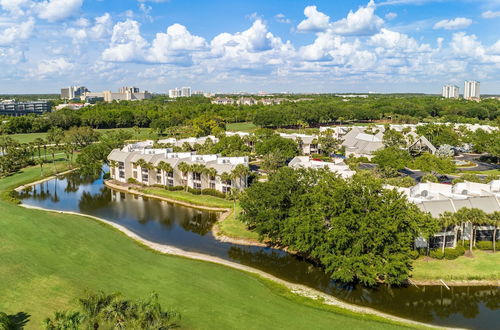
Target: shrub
{"x":429,"y":178}
{"x":174,"y":188}
{"x":484,"y":245}
{"x":132,"y":181}
{"x":414,"y":254}
{"x":451,"y":254}
{"x":404,"y":181}
{"x":213,"y":192}
{"x":194,"y":191}
{"x":106,"y":176}
{"x":436,"y":254}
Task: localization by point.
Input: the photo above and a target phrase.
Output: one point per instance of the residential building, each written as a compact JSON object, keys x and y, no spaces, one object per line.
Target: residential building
{"x":223,"y":101}
{"x":13,"y":108}
{"x":192,"y":141}
{"x":126,"y":165}
{"x":179,"y":92}
{"x":186,"y":91}
{"x":450,"y":92}
{"x":361,"y":144}
{"x":437,"y":198}
{"x":338,"y":166}
{"x":308,"y":144}
{"x":471,"y":90}
{"x":246,"y":101}
{"x":73,"y":92}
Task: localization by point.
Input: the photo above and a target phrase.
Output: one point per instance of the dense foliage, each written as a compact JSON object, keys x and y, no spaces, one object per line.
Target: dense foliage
{"x":354,"y":228}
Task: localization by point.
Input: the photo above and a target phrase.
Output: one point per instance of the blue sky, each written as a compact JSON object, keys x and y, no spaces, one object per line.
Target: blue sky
{"x":258,"y":45}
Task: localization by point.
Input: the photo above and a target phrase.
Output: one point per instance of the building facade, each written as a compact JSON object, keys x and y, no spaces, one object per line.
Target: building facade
{"x":471,"y":90}
{"x":203,"y":171}
{"x":13,"y":108}
{"x":450,"y":92}
{"x":73,"y":92}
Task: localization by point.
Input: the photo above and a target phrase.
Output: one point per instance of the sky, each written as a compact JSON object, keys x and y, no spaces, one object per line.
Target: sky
{"x":324,"y":46}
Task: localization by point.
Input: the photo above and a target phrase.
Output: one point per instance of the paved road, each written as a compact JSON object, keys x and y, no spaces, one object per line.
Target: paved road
{"x":481,"y":166}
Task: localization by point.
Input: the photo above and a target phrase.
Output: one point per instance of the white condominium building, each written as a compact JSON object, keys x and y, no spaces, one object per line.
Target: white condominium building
{"x":471,"y":90}
{"x":450,"y":92}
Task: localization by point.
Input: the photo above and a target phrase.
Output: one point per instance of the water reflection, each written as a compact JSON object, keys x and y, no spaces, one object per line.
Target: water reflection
{"x":190,"y":229}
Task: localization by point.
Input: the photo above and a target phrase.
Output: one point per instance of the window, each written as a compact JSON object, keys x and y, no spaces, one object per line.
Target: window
{"x":170,"y":182}
{"x":158,"y":178}
{"x":196,"y":176}
{"x":135,"y":175}
{"x":170,"y":174}
{"x":121,"y":174}
{"x":212,"y":185}
{"x":197,"y":185}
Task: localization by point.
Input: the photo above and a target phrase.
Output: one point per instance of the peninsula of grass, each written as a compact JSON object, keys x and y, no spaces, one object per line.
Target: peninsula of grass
{"x":187,"y":197}
{"x":50,"y":259}
{"x":484,"y":265}
{"x":234,"y":228}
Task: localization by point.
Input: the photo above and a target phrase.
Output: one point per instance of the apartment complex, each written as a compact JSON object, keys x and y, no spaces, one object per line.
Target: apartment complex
{"x":179,"y":92}
{"x":13,"y":108}
{"x":450,"y":92}
{"x":73,"y":92}
{"x":338,"y":166}
{"x":203,"y":171}
{"x":308,"y":144}
{"x":471,"y":90}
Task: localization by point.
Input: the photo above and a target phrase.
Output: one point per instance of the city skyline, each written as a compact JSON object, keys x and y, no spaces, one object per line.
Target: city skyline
{"x":355,"y":46}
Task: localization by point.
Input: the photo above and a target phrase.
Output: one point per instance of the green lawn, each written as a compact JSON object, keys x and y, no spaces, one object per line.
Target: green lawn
{"x":138,"y":134}
{"x":241,"y":127}
{"x":183,"y":196}
{"x":232,"y":227}
{"x":489,"y":172}
{"x":50,"y":259}
{"x":485,"y":265}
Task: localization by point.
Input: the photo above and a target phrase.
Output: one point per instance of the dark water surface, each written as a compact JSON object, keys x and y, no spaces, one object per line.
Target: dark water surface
{"x":190,"y":229}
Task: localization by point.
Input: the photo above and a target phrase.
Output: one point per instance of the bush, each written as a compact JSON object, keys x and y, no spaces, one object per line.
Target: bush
{"x":213,"y":192}
{"x":405,"y":181}
{"x":484,"y":245}
{"x":429,"y":178}
{"x":132,"y":181}
{"x":414,"y":254}
{"x":436,"y":254}
{"x":450,"y":254}
{"x":174,"y":188}
{"x":106,"y":176}
{"x":194,"y":191}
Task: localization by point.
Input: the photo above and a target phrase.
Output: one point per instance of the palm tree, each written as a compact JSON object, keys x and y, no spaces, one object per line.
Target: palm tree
{"x":494,"y":220}
{"x":240,"y":171}
{"x":119,"y":312}
{"x":6,"y":323}
{"x":446,"y":219}
{"x":64,"y":320}
{"x":165,"y":167}
{"x":473,"y":217}
{"x":198,"y":169}
{"x":40,"y":162}
{"x":94,"y":305}
{"x":185,"y":168}
{"x":150,"y":315}
{"x":112,"y":166}
{"x":211,"y":173}
{"x":39,"y":143}
{"x":233,"y":195}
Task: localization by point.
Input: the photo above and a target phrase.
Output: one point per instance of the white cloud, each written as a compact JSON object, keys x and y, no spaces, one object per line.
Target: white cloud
{"x":281,"y":18}
{"x":388,"y":39}
{"x":57,"y":66}
{"x":15,"y":7}
{"x":490,"y":14}
{"x":16,"y":32}
{"x":55,"y":10}
{"x":453,"y":24}
{"x":361,"y":22}
{"x":175,"y":45}
{"x":316,"y":20}
{"x":127,"y":44}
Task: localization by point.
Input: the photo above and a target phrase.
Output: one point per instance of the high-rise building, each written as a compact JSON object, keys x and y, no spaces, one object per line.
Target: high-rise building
{"x":471,"y":90}
{"x":450,"y":92}
{"x":73,"y":92}
{"x":186,"y":91}
{"x":124,"y":90}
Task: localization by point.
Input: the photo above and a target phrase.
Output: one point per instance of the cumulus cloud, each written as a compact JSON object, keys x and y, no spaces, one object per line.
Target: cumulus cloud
{"x":127,"y":44}
{"x":453,"y":24}
{"x":55,"y":10}
{"x":391,"y":15}
{"x":16,"y":32}
{"x":364,"y":21}
{"x":315,"y":21}
{"x":490,"y":14}
{"x":388,"y":39}
{"x":58,"y":66}
{"x":175,"y":45}
{"x":15,"y":7}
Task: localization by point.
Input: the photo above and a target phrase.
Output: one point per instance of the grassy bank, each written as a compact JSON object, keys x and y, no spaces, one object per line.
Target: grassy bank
{"x":232,"y":227}
{"x":50,"y":259}
{"x":241,"y":127}
{"x":483,"y":266}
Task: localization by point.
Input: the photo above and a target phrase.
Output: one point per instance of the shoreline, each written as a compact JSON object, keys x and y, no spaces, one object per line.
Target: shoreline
{"x":298,"y":289}
{"x":243,"y":241}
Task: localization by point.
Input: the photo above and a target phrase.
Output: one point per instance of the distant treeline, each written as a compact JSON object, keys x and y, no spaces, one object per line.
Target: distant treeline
{"x":161,"y":113}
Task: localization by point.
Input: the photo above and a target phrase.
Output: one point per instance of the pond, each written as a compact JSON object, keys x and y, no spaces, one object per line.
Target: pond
{"x":190,"y":229}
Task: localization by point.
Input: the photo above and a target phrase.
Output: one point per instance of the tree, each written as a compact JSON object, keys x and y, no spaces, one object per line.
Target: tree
{"x":165,"y":167}
{"x":328,"y":143}
{"x":273,"y":161}
{"x":393,"y":138}
{"x":286,"y":147}
{"x":81,"y":137}
{"x":446,"y":219}
{"x":430,"y":163}
{"x":445,"y":151}
{"x":93,"y":305}
{"x":391,"y":159}
{"x":54,"y":137}
{"x":239,"y":172}
{"x":473,"y":217}
{"x":64,"y":321}
{"x":6,"y":323}
{"x":185,"y":168}
{"x":494,"y":220}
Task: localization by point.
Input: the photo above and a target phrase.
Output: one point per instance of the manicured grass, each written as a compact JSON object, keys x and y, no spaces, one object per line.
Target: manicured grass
{"x":180,"y":195}
{"x":138,"y":134}
{"x":241,"y":127}
{"x":232,"y":227}
{"x":489,"y":172}
{"x":483,"y":266}
{"x":50,"y":259}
